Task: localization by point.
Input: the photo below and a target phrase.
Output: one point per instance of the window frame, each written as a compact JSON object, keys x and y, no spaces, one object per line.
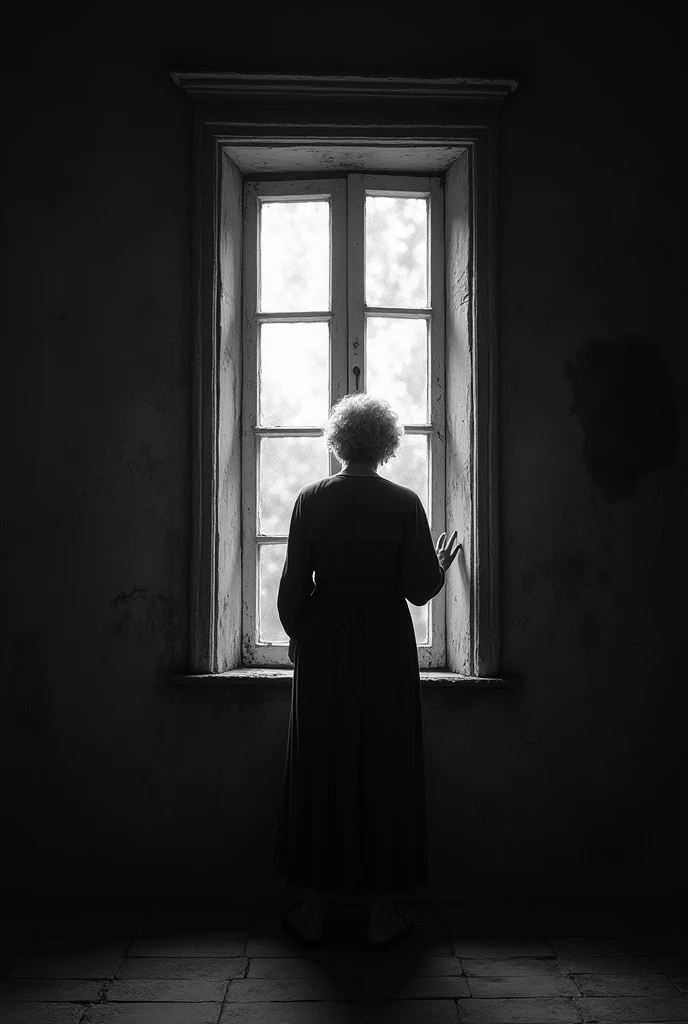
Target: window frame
{"x":287,"y":123}
{"x":347,"y":316}
{"x":253,"y":652}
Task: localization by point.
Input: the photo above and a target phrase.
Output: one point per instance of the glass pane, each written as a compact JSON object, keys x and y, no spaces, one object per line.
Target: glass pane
{"x":410,"y":466}
{"x":294,"y":256}
{"x":397,"y":365}
{"x":293,"y":380}
{"x":421,"y":621}
{"x":396,"y":251}
{"x":270,"y":565}
{"x":285,"y":465}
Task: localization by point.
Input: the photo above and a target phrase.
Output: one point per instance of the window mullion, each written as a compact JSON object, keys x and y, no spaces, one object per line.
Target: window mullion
{"x":356,"y":283}
{"x":437,"y":402}
{"x":250,"y":415}
{"x":339,"y":302}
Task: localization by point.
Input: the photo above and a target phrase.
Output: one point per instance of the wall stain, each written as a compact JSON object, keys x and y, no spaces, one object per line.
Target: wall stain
{"x":535,"y":741}
{"x":111,"y":468}
{"x":154,"y":617}
{"x":624,"y":398}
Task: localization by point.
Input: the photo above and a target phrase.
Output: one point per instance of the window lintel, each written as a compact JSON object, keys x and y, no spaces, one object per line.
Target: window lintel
{"x":231,"y":84}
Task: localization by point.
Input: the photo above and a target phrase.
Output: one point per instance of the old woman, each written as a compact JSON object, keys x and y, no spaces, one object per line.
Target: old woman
{"x":352,"y":818}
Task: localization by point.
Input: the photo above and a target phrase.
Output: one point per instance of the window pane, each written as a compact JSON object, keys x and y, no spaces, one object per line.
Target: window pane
{"x":285,"y":465}
{"x":397,"y":365}
{"x":270,"y":565}
{"x":421,"y":621}
{"x":396,"y":251}
{"x":293,"y":380}
{"x":410,"y":466}
{"x":294,"y":256}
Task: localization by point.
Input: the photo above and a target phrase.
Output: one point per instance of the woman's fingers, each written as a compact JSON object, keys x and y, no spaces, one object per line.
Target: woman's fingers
{"x":440,"y":542}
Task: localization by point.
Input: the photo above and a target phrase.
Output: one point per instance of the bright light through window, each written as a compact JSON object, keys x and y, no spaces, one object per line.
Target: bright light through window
{"x":299,"y":349}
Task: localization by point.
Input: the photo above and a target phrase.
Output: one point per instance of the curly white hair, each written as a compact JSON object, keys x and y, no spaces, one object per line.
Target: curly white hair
{"x":363,"y":428}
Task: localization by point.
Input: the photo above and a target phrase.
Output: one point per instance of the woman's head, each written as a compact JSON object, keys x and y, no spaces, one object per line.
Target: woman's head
{"x":362,"y":428}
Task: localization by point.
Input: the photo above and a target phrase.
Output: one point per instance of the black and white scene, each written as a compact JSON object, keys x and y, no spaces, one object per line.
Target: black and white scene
{"x":344,"y":545}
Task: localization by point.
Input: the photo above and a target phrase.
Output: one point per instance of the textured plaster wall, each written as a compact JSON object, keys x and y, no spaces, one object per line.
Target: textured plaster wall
{"x":117,"y":781}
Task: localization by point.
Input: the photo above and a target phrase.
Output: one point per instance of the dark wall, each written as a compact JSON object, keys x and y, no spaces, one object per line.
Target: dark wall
{"x":573,"y":786}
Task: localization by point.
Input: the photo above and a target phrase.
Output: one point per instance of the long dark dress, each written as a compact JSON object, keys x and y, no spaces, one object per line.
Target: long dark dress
{"x":353,"y":816}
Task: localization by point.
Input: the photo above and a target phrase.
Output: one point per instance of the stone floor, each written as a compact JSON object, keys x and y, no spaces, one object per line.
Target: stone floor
{"x":186,"y":964}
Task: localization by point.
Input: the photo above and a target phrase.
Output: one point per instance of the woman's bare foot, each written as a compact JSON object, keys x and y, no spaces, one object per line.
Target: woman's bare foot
{"x":384,"y":922}
{"x":307,"y":917}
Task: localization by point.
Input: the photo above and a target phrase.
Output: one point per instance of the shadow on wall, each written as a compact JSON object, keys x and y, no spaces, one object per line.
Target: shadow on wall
{"x":624,"y":398}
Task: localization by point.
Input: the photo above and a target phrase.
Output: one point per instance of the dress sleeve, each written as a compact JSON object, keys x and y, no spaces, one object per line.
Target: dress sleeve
{"x":296,"y":584}
{"x":422,"y":576}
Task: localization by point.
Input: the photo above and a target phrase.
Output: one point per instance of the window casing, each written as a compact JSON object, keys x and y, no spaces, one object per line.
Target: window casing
{"x":299,"y":126}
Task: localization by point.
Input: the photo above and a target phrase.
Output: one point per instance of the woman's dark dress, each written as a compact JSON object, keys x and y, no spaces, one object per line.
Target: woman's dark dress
{"x":352,"y":818}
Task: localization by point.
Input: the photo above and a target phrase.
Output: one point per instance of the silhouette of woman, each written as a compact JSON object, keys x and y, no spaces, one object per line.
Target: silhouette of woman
{"x":352,"y":818}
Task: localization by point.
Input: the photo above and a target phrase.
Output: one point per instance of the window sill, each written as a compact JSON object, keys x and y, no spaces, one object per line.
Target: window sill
{"x":281,"y":679}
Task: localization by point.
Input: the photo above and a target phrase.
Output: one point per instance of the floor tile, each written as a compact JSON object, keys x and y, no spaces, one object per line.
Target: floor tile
{"x":410,"y":966}
{"x":67,"y":967}
{"x":283,"y":945}
{"x":565,"y":946}
{"x":625,"y":985}
{"x":153,"y":1013}
{"x":287,"y":1013}
{"x":220,"y":926}
{"x":429,"y":1011}
{"x":186,"y":946}
{"x":78,"y":947}
{"x":190,"y":967}
{"x":610,"y":964}
{"x":590,"y":929}
{"x":630,"y":1008}
{"x":59,"y":990}
{"x":517,"y":1011}
{"x":524,"y":986}
{"x":299,"y":967}
{"x":514,"y":966}
{"x":166,"y":990}
{"x":40,"y":1013}
{"x":93,"y":924}
{"x":287,"y":989}
{"x":172,"y":963}
{"x":412,"y":988}
{"x":196,"y":908}
{"x":499,"y":948}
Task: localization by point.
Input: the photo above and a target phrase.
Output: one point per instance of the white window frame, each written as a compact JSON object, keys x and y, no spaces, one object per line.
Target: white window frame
{"x":294,"y":124}
{"x":253,"y":652}
{"x":348,"y":349}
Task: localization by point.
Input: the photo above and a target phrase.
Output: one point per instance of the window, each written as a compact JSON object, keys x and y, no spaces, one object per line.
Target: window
{"x":343,"y":289}
{"x":338,"y":142}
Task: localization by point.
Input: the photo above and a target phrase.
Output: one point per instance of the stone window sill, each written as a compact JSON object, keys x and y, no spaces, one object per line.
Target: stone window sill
{"x":280,"y":679}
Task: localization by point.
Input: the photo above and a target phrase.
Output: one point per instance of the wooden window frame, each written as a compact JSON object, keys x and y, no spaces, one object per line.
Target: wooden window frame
{"x":346,"y":317}
{"x":254,"y":653}
{"x":298,"y":124}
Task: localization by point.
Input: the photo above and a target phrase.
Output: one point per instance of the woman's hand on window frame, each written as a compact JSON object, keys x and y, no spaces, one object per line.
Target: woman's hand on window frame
{"x":445,"y":554}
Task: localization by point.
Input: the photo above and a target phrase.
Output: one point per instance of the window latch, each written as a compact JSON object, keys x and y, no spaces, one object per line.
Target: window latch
{"x":357,"y":374}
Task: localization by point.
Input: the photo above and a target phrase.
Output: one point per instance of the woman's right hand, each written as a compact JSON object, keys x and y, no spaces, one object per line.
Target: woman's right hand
{"x":444,"y":549}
